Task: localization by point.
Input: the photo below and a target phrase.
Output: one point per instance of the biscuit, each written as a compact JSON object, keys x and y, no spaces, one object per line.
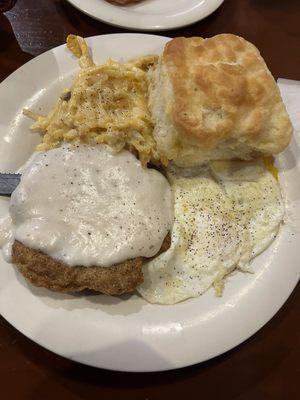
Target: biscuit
{"x":215,"y":99}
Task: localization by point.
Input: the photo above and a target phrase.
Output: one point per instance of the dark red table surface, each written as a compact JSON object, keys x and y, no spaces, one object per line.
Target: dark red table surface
{"x":266,"y":366}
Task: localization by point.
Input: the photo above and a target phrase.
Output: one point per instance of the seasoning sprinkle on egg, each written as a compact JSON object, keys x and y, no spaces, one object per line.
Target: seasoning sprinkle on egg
{"x":222,"y":220}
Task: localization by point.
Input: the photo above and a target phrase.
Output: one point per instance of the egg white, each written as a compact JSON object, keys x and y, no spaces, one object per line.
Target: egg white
{"x":225,"y":215}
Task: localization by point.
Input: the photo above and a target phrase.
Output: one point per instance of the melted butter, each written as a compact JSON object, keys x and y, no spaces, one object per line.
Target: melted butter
{"x":85,"y":205}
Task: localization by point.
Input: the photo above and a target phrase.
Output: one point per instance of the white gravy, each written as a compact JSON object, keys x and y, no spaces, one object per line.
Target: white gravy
{"x":86,"y":205}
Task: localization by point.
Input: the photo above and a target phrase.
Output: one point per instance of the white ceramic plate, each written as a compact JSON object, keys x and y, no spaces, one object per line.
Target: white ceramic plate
{"x":127,"y":333}
{"x":149,"y":15}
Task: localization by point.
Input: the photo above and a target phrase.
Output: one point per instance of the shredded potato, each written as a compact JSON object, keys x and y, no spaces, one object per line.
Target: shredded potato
{"x":78,"y":46}
{"x":107,"y":104}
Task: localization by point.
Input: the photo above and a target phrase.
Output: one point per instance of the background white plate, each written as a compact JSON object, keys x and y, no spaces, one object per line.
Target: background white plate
{"x":127,"y":333}
{"x":149,"y":15}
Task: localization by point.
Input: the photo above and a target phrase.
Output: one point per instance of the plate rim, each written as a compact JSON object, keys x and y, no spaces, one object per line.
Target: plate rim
{"x":151,"y":370}
{"x":35,"y":59}
{"x":120,"y":23}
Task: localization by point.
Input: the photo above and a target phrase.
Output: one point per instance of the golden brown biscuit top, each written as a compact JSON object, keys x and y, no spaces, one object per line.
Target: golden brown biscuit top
{"x":222,"y":89}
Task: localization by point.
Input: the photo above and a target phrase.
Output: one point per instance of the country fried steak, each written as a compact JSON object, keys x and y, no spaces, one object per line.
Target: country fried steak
{"x":42,"y":270}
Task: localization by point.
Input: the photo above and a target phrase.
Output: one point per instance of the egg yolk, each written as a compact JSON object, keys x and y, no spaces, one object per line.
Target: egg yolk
{"x":269,"y":164}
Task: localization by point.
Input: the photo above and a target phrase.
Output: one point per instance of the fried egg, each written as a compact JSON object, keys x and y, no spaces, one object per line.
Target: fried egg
{"x":225,"y":215}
